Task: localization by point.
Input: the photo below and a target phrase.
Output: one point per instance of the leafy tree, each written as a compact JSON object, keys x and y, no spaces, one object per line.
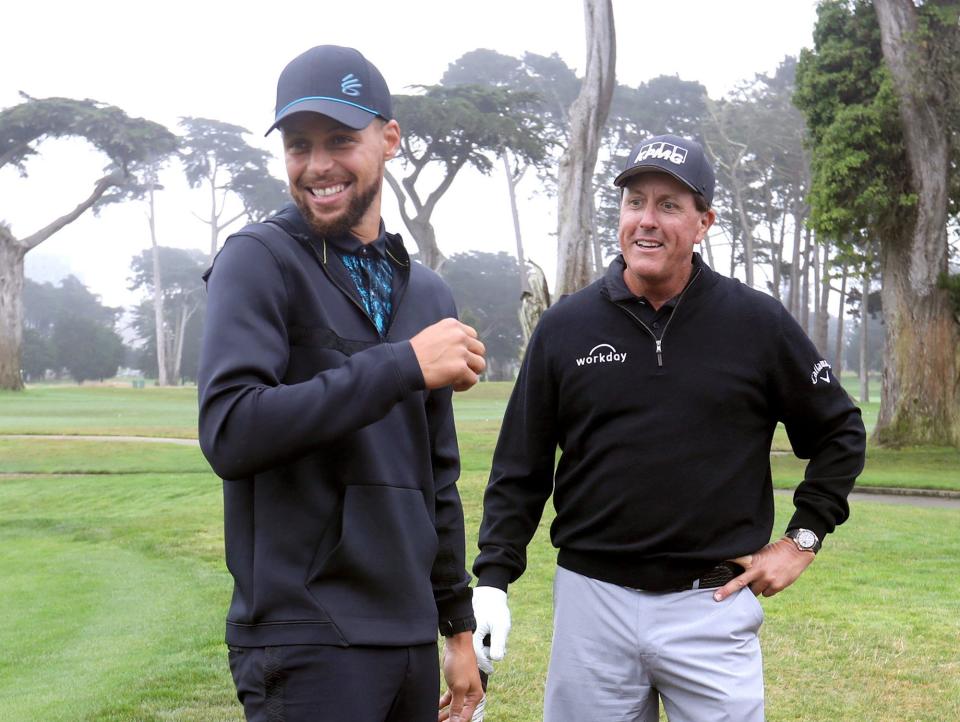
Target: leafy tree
{"x":881,"y":112}
{"x":67,"y":327}
{"x":182,"y":295}
{"x":129,"y":143}
{"x":455,"y":127}
{"x":37,"y":354}
{"x":87,"y":349}
{"x":216,"y":156}
{"x":144,"y":357}
{"x":485,"y":288}
{"x":490,"y":68}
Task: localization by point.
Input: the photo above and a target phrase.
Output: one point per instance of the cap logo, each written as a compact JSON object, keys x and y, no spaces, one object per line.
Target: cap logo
{"x":349,"y":85}
{"x":662,"y":151}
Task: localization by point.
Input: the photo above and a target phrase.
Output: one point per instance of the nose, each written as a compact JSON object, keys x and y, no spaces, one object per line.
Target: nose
{"x":648,"y":216}
{"x":320,"y":161}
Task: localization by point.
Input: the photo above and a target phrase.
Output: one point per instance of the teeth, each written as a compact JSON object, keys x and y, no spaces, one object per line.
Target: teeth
{"x":644,"y":244}
{"x":322,"y":192}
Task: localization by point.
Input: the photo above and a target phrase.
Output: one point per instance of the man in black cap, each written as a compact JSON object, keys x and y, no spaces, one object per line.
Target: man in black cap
{"x":662,"y":384}
{"x":328,"y":364}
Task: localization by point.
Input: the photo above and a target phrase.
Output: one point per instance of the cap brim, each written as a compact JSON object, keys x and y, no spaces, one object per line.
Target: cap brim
{"x":350,"y":114}
{"x":621,"y":180}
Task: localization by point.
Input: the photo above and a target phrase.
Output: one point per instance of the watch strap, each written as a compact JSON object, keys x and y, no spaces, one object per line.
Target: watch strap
{"x":796,"y":534}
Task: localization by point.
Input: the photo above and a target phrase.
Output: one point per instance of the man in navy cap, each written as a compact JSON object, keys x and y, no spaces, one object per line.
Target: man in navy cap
{"x":662,"y":384}
{"x":328,"y":364}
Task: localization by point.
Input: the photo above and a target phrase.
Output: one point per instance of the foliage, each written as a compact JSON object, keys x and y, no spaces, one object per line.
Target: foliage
{"x":951,"y":283}
{"x":216,"y":154}
{"x":549,"y":85}
{"x":486,"y":287}
{"x":462,"y":124}
{"x":130,"y":143}
{"x":126,"y":141}
{"x":860,"y":186}
{"x":183,"y":303}
{"x":87,"y":349}
{"x":455,"y":127}
{"x":67,"y":327}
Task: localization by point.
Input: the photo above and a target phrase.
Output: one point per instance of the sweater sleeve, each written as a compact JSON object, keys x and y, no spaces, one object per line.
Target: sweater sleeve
{"x":249,"y":420}
{"x":451,"y":583}
{"x":823,"y":425}
{"x":521,"y":475}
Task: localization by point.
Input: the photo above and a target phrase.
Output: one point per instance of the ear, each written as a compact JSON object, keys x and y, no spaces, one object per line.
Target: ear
{"x":391,"y":139}
{"x":706,"y":220}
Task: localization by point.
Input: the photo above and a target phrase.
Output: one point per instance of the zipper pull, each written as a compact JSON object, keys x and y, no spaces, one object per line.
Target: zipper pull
{"x":659,"y":352}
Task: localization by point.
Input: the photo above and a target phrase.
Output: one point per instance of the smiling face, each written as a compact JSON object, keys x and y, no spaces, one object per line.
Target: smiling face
{"x":336,"y":172}
{"x":659,"y":226}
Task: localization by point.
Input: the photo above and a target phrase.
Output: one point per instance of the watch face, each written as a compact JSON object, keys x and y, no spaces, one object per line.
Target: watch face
{"x":806,"y":539}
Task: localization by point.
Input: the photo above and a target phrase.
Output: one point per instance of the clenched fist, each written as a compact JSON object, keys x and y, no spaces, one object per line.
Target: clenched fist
{"x":449,"y":353}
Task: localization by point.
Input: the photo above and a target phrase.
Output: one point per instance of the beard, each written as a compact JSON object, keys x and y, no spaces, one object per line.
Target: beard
{"x":348,"y":219}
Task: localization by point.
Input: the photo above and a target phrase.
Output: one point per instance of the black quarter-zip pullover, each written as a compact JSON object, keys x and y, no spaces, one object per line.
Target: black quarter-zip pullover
{"x":665,"y":438}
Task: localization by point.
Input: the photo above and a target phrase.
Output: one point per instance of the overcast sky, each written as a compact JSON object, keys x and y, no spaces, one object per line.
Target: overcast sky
{"x":220,"y":60}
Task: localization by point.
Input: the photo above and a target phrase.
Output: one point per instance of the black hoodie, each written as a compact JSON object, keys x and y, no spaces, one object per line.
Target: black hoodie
{"x":343,"y":523}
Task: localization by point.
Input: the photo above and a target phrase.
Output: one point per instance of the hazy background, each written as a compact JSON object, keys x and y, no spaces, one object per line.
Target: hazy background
{"x":221,"y":60}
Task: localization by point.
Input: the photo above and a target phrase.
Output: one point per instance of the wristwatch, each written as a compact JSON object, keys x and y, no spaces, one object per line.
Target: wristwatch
{"x":450,"y":627}
{"x":806,"y":540}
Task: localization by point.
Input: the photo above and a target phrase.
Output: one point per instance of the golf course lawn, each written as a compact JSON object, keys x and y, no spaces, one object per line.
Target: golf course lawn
{"x":114,"y":588}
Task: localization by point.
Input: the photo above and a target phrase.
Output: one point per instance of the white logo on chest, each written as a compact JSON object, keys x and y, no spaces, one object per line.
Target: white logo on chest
{"x":601,"y":354}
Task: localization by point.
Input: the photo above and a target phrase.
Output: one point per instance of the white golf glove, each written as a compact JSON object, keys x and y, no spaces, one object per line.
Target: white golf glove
{"x":493,"y":617}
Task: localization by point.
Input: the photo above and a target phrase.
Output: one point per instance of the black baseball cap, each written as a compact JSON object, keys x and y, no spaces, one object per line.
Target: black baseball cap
{"x":682,"y":158}
{"x":334,"y":81}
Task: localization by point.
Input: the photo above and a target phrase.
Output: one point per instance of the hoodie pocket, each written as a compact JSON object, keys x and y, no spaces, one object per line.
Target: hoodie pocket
{"x":380,"y":566}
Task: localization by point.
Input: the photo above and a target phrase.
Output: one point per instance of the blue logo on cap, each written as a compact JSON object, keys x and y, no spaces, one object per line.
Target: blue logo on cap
{"x":350,"y":85}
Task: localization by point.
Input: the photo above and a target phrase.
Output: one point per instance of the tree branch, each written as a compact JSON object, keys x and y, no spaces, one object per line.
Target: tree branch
{"x":401,"y":196}
{"x":102,"y":186}
{"x":227,"y":223}
{"x":442,"y":188}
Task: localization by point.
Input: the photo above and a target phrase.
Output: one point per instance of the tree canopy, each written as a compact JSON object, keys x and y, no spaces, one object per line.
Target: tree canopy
{"x":452,"y":128}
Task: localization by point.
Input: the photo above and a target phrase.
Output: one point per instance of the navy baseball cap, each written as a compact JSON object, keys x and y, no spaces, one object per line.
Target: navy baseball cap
{"x":682,"y":158}
{"x":334,"y":81}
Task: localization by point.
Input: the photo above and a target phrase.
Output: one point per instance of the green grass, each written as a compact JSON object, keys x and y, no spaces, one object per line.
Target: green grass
{"x":104,"y":410}
{"x":114,"y":588}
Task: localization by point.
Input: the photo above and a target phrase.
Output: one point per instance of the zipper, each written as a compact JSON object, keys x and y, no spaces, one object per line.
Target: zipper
{"x":659,"y":341}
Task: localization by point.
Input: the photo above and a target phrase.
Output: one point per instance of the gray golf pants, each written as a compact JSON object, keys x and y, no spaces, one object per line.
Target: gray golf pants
{"x":617,"y":651}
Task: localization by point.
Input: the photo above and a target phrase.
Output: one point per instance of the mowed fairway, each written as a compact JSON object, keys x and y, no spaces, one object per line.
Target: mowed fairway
{"x":113,"y":587}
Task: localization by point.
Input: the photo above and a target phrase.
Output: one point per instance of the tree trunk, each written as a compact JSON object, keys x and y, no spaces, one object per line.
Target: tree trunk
{"x":12,"y":252}
{"x":160,"y":333}
{"x":804,"y":317}
{"x":214,"y":230}
{"x":838,"y":352}
{"x":419,"y":225}
{"x":588,"y":114}
{"x":794,"y":305}
{"x":864,"y":345}
{"x":821,"y":326}
{"x":11,"y":309}
{"x":707,"y":250}
{"x":512,"y":189}
{"x":920,"y":396}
